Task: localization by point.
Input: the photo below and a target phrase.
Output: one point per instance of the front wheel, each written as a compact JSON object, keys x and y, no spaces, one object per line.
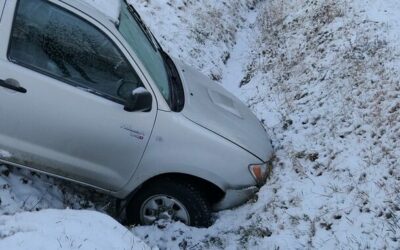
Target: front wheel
{"x":169,"y":200}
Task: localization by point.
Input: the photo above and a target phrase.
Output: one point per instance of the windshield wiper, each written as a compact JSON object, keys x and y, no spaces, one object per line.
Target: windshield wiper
{"x":143,"y":27}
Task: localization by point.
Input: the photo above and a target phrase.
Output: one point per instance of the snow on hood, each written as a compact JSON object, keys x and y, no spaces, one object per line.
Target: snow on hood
{"x":111,"y":8}
{"x":65,"y":229}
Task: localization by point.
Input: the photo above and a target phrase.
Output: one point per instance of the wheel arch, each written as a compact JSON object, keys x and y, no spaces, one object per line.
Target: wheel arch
{"x":212,"y":192}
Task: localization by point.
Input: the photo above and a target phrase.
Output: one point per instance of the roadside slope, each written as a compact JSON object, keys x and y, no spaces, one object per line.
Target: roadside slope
{"x":323,"y":77}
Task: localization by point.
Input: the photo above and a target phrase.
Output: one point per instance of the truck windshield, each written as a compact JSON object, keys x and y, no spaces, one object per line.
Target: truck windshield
{"x":146,"y":48}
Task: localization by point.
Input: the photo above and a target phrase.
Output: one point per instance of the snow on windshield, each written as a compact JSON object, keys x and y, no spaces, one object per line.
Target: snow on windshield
{"x":110,"y":8}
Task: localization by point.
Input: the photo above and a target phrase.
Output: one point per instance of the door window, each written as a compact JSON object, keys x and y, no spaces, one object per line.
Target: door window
{"x":53,"y":41}
{"x":2,"y":5}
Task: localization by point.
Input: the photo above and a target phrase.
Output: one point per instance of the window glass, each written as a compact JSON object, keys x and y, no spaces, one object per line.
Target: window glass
{"x":58,"y":43}
{"x":148,"y":55}
{"x":2,"y":5}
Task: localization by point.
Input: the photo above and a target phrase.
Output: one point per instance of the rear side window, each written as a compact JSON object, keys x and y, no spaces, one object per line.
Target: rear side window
{"x":55,"y":42}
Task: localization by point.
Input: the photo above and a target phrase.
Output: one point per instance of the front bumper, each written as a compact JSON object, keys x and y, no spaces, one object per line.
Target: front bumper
{"x":234,"y":198}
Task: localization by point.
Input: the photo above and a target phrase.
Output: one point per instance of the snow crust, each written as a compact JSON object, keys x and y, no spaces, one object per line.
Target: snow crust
{"x":65,"y":229}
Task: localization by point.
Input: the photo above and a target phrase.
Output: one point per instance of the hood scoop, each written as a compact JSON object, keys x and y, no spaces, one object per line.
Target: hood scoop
{"x":224,"y":102}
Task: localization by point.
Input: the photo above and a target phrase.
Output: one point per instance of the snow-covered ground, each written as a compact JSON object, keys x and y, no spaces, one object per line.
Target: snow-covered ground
{"x":323,"y":77}
{"x":35,"y":214}
{"x":65,"y":229}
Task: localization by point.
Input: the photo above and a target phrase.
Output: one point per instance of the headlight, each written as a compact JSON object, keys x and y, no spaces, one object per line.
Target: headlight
{"x":260,"y":172}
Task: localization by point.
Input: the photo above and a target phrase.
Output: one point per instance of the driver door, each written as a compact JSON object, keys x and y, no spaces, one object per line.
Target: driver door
{"x":65,"y":114}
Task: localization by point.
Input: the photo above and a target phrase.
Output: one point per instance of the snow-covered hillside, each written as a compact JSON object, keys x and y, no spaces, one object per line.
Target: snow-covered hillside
{"x":323,"y":77}
{"x":206,"y":30}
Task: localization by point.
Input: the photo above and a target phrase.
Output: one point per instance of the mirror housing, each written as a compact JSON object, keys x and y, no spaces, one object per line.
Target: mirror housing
{"x":139,"y":101}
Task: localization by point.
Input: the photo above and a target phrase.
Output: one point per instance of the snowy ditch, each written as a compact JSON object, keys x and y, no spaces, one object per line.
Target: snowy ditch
{"x":322,"y":76}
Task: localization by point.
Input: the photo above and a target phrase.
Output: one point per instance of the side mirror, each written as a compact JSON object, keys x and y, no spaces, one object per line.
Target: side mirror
{"x":140,"y":100}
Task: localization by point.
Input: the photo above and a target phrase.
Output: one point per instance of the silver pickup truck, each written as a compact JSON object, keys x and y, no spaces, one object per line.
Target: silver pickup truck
{"x":98,"y":102}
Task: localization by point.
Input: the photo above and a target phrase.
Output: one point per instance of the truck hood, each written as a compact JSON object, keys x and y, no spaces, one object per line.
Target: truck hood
{"x":211,"y":106}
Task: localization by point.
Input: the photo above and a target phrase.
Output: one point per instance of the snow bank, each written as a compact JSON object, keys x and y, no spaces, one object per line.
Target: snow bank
{"x":65,"y":229}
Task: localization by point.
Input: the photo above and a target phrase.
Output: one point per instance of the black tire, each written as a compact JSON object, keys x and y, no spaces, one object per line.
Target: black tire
{"x":197,"y":206}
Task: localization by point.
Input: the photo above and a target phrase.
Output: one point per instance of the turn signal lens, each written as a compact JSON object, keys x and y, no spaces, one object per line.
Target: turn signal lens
{"x":259,"y":172}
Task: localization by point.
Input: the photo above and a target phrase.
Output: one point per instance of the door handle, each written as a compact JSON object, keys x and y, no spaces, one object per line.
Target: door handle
{"x":13,"y":85}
